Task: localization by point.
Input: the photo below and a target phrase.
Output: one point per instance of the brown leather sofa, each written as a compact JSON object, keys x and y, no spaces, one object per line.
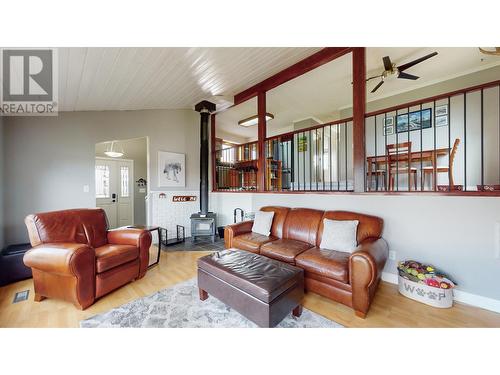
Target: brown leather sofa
{"x":76,"y":258}
{"x":296,"y":234}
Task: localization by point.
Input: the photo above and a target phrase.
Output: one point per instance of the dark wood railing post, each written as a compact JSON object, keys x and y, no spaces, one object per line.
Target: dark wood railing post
{"x":261,"y":131}
{"x":212,"y":151}
{"x":358,"y":118}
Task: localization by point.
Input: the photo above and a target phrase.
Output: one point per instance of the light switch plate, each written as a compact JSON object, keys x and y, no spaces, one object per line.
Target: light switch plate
{"x":392,"y":255}
{"x":86,"y":188}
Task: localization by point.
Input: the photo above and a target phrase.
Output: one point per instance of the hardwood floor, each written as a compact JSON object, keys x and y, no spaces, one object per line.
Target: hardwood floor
{"x":389,"y":308}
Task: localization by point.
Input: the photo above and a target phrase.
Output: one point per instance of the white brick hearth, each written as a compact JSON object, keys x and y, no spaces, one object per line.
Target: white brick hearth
{"x":167,"y":214}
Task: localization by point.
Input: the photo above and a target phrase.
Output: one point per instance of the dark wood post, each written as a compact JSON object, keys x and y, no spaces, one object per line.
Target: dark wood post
{"x":261,"y":111}
{"x":358,"y":117}
{"x":212,"y":151}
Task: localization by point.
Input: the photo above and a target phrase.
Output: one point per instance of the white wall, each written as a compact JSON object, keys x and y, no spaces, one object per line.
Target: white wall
{"x":225,"y":203}
{"x":456,"y":234}
{"x":52,"y":158}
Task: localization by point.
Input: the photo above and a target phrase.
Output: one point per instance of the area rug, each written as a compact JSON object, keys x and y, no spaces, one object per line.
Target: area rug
{"x":180,"y":307}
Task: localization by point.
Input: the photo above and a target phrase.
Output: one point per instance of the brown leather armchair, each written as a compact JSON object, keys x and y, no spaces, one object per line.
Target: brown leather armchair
{"x":295,"y":238}
{"x":75,"y":258}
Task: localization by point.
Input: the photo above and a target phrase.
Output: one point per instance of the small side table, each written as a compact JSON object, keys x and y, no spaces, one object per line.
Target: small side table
{"x":150,"y":229}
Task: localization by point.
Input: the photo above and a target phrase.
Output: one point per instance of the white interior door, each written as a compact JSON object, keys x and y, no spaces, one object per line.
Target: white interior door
{"x":114,"y":190}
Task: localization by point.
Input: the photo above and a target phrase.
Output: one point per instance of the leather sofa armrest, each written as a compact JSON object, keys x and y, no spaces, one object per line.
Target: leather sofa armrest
{"x":365,"y":269}
{"x":61,"y":258}
{"x":233,"y":230}
{"x":134,"y":237}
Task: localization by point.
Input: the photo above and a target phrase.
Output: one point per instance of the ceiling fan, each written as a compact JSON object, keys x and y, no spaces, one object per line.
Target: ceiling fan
{"x":391,"y":69}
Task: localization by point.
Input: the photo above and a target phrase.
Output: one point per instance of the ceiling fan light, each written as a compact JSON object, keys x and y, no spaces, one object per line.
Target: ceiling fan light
{"x":254,"y":120}
{"x":487,"y":51}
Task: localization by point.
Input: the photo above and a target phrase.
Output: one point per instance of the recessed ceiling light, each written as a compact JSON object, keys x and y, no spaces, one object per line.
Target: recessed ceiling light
{"x":254,"y":120}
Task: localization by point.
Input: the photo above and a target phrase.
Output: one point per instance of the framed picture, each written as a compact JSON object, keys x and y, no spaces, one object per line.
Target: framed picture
{"x":389,"y":126}
{"x":442,"y":110}
{"x":414,"y":120}
{"x":441,"y":120}
{"x":171,"y":169}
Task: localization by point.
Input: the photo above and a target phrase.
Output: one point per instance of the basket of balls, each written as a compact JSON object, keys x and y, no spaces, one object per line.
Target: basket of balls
{"x":423,"y":283}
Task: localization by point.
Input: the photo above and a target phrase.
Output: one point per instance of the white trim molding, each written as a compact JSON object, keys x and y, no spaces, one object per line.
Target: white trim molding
{"x":458,"y":295}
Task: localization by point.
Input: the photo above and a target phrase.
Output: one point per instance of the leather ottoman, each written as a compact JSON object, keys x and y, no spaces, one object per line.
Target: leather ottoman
{"x":263,"y":290}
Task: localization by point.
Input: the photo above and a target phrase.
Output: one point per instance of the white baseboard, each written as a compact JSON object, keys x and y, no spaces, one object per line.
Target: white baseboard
{"x":458,"y":295}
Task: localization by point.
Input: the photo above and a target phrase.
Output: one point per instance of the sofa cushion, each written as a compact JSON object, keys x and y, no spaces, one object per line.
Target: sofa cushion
{"x":329,"y":263}
{"x":368,"y":227}
{"x":339,"y":235}
{"x":251,"y":241}
{"x":110,"y":256}
{"x":263,"y":222}
{"x":284,"y":249}
{"x":280,"y":214}
{"x":302,"y":225}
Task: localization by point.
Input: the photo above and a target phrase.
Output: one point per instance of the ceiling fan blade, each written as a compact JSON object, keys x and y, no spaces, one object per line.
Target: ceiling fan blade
{"x":415,"y":62}
{"x":387,"y":63}
{"x":407,"y":76}
{"x":373,"y":77}
{"x":378,"y":85}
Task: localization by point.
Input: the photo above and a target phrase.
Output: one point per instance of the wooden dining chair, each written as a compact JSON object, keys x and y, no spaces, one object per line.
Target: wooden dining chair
{"x":429,"y":170}
{"x":399,"y":162}
{"x":377,"y":173}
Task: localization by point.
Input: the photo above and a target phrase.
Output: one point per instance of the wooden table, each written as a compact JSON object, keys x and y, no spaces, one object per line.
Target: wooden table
{"x":416,"y":157}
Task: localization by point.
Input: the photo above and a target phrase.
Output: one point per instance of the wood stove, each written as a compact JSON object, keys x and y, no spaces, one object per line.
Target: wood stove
{"x":204,"y":223}
{"x":203,"y":226}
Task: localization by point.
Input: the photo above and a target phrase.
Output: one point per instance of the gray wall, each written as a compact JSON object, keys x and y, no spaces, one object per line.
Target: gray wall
{"x":52,"y":158}
{"x":2,"y":182}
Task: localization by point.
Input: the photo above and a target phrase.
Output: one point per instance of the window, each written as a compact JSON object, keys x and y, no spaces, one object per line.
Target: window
{"x":124,"y":182}
{"x":102,"y":181}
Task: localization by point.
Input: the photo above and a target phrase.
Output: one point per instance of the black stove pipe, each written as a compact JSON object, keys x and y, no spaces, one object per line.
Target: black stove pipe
{"x":205,"y":108}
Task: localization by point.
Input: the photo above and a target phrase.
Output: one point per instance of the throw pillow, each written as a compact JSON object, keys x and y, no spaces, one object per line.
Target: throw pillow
{"x":263,"y":222}
{"x":339,"y":235}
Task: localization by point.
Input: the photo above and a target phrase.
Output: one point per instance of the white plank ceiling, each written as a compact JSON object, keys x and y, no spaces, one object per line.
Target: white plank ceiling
{"x":95,"y":79}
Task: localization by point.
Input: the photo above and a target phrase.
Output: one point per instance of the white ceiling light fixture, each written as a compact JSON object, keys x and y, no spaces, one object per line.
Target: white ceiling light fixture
{"x":488,"y":51}
{"x":254,"y":120}
{"x":112,"y":153}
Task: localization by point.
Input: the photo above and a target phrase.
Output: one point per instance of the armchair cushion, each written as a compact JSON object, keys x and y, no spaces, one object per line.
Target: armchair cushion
{"x":110,"y":256}
{"x":87,"y":226}
{"x":139,"y":238}
{"x":328,"y":263}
